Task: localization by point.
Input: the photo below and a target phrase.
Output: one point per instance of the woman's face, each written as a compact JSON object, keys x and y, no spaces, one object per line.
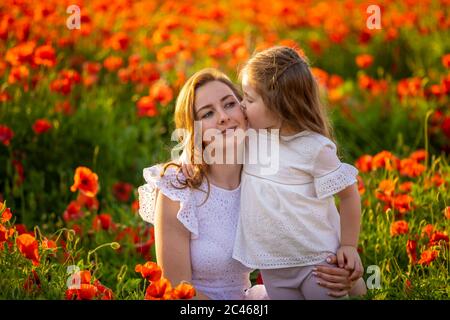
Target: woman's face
{"x":219,"y":111}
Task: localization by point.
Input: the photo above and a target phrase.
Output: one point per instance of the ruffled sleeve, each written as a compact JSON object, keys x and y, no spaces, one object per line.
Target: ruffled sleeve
{"x":330,"y":174}
{"x":169,"y":184}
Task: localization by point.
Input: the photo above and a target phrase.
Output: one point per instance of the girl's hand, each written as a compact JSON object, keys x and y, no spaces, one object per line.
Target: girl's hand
{"x":335,"y":279}
{"x":349,"y":259}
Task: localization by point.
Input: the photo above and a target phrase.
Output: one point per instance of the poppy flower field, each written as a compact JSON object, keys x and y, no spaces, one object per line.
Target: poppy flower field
{"x":84,"y":110}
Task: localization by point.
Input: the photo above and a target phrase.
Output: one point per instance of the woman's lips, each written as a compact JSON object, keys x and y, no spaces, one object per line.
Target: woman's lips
{"x":229,"y":130}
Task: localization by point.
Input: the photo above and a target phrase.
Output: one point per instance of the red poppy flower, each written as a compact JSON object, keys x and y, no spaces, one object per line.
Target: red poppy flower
{"x":411,"y":87}
{"x":364,"y":60}
{"x":411,"y":168}
{"x":159,"y":290}
{"x":28,"y":246}
{"x":445,"y":126}
{"x":146,"y":107}
{"x":72,"y":75}
{"x":384,"y":159}
{"x":103,"y":293}
{"x":21,"y":53}
{"x":21,"y":229}
{"x":183,"y":291}
{"x":73,"y":212}
{"x":435,"y":180}
{"x":86,"y":181}
{"x":427,"y":230}
{"x":437,"y":237}
{"x":5,"y":233}
{"x":6,"y":215}
{"x":4,"y":96}
{"x":92,"y":67}
{"x":113,"y":63}
{"x":90,"y":203}
{"x":446,"y":60}
{"x":130,"y":234}
{"x":419,"y":155}
{"x":49,"y":245}
{"x":61,"y":85}
{"x":104,"y":221}
{"x":144,"y":249}
{"x":150,"y":271}
{"x":428,"y":256}
{"x":41,"y":126}
{"x":64,"y":107}
{"x":79,"y":278}
{"x":364,"y":163}
{"x":385,"y":190}
{"x":45,"y":56}
{"x":162,"y":93}
{"x":135,"y":206}
{"x":406,"y":186}
{"x":399,"y":227}
{"x":18,"y":74}
{"x":122,"y":191}
{"x":78,"y":230}
{"x":6,"y":134}
{"x":402,"y":203}
{"x":119,"y":41}
{"x":85,"y":292}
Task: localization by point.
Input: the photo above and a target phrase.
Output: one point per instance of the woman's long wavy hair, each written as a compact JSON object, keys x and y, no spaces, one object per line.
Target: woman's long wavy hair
{"x":184,"y":119}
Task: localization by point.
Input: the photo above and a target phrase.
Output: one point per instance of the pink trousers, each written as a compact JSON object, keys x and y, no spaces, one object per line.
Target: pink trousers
{"x":295,"y":283}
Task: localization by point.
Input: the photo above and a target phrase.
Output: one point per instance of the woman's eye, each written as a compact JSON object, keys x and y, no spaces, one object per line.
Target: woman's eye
{"x":207,"y":115}
{"x":230,"y":105}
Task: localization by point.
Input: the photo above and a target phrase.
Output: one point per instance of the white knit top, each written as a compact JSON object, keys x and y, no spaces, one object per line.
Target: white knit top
{"x":289,"y":218}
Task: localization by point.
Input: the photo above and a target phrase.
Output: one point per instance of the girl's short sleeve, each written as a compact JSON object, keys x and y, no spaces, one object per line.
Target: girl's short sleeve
{"x":330,"y":174}
{"x":169,"y":184}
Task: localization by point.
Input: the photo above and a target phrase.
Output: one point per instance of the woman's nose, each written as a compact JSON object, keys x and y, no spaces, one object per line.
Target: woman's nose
{"x":223,"y":116}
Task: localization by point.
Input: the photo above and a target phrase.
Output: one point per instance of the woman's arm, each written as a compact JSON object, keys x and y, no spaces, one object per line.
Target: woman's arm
{"x":172,"y":243}
{"x":338,"y":280}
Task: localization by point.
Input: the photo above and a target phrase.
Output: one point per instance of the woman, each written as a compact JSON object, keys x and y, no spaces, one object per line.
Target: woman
{"x":195,"y":218}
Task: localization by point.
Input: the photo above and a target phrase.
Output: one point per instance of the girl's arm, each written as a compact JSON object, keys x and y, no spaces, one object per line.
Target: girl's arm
{"x":172,"y":243}
{"x":350,"y":211}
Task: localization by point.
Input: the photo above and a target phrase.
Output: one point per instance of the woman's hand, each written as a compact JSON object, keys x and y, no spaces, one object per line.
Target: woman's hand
{"x":336,"y":279}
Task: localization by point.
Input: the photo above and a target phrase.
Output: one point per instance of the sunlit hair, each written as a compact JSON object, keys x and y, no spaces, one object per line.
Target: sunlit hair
{"x":288,"y":88}
{"x":185,"y":117}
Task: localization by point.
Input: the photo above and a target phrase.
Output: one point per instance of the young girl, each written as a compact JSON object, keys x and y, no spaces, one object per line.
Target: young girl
{"x":288,"y":221}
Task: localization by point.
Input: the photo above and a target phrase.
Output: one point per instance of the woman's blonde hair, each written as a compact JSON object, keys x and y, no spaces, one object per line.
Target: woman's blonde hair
{"x":288,"y":89}
{"x":185,"y":117}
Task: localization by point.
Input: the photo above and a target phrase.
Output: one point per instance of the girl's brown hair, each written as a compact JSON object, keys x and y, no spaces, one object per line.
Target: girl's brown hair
{"x":288,"y":89}
{"x":185,"y":117}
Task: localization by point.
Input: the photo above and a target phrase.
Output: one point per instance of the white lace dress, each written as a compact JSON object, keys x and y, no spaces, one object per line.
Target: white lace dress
{"x":212,"y":227}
